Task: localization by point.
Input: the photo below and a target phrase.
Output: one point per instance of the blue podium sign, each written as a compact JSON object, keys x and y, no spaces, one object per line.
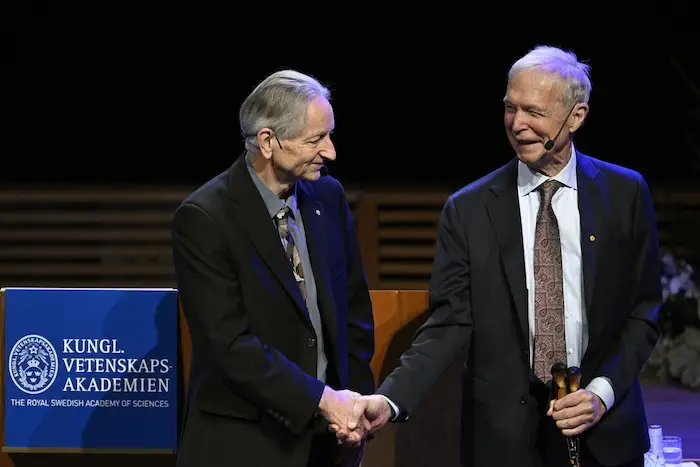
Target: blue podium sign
{"x":91,"y":370}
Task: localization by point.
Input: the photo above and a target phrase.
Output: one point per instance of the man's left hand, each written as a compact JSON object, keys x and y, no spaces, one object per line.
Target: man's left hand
{"x":576,"y":412}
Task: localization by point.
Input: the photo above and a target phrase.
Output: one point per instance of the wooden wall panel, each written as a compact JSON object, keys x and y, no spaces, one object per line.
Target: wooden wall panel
{"x":120,"y":236}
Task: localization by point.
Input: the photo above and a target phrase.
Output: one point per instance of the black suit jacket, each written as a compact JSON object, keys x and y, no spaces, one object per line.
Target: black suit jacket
{"x":253,"y":392}
{"x":478,"y":298}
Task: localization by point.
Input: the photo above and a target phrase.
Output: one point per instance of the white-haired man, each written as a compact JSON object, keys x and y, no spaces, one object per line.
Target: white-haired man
{"x":552,"y":258}
{"x":274,"y":293}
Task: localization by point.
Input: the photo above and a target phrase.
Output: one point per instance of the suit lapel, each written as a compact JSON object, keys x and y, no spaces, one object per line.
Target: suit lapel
{"x":504,"y":213}
{"x":590,"y":205}
{"x":252,"y":212}
{"x":313,"y":216}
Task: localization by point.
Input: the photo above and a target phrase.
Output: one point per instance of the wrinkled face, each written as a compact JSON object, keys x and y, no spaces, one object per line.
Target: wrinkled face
{"x":534,"y":113}
{"x":302,"y":158}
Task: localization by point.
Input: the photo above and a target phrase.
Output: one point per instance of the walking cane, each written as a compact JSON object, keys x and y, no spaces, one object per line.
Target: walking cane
{"x":573,"y":443}
{"x":562,"y":379}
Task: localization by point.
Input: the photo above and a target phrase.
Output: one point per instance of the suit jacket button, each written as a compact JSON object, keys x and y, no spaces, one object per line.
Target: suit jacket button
{"x":523,"y":400}
{"x":311,"y":342}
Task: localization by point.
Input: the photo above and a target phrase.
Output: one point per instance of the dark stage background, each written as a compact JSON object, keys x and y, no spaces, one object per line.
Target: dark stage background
{"x":142,"y":95}
{"x":157,"y":103}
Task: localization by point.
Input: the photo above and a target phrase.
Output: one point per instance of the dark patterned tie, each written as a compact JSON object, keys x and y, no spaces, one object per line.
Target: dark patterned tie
{"x":290,"y":248}
{"x":550,"y":340}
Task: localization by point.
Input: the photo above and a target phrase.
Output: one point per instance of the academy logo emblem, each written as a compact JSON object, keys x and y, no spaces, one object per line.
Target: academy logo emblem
{"x":33,"y":364}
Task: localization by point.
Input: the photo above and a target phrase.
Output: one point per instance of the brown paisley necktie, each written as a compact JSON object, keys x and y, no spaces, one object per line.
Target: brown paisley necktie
{"x":550,"y":340}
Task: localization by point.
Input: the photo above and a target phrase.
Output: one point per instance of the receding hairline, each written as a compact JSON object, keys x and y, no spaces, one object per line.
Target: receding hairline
{"x":562,"y":66}
{"x":264,"y":106}
{"x":545,"y":77}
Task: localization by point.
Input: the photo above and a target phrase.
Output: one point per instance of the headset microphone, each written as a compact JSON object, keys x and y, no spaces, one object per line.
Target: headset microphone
{"x":549,"y":144}
{"x":324,"y":171}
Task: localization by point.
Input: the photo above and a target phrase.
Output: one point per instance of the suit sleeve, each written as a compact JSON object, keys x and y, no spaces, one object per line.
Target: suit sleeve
{"x":360,"y":330}
{"x":209,"y":292}
{"x":640,"y":332}
{"x":449,"y":326}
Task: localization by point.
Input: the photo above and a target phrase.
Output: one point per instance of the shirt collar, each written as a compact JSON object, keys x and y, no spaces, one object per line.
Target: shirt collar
{"x":273,"y":203}
{"x":529,"y":180}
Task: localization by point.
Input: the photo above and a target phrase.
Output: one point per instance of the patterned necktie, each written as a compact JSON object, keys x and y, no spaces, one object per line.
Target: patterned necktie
{"x":290,"y":248}
{"x":550,"y":340}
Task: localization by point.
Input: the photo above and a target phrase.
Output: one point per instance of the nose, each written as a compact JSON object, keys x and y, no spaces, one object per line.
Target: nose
{"x":328,"y":150}
{"x":518,"y":122}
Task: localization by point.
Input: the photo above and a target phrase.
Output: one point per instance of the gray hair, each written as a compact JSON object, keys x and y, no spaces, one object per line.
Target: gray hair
{"x":279,"y":102}
{"x":574,"y":75}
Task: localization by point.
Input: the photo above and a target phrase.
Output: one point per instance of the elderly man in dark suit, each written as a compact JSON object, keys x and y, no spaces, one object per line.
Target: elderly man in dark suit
{"x":274,"y":292}
{"x":552,"y":258}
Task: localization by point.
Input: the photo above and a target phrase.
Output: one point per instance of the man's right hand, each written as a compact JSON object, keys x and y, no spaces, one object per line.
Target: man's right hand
{"x":339,"y":408}
{"x":369,"y":414}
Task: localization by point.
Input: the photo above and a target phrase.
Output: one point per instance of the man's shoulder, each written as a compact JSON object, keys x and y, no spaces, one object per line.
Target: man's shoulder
{"x":477,"y":188}
{"x":613,"y":172}
{"x":210,"y":195}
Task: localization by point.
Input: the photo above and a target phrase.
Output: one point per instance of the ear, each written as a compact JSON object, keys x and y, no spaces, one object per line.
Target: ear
{"x":578,"y":116}
{"x":265,"y":137}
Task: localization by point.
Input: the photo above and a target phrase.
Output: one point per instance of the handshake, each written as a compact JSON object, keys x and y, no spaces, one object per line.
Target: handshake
{"x":351,"y":416}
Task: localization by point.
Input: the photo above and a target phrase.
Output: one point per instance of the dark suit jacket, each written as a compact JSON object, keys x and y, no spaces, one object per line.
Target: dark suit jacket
{"x":253,"y":394}
{"x":478,"y":298}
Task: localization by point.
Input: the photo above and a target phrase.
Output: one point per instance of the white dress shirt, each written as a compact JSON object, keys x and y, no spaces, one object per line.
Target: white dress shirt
{"x":565,"y":206}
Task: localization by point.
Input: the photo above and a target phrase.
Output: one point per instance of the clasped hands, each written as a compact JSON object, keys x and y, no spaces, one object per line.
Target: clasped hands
{"x":576,"y":412}
{"x":352,"y":416}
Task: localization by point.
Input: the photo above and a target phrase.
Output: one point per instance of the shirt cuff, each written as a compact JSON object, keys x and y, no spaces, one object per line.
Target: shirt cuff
{"x":393,"y":406}
{"x":602,"y":387}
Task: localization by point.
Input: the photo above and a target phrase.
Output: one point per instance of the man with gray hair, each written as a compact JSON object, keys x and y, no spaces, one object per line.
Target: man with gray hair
{"x":273,"y":289}
{"x":550,"y":260}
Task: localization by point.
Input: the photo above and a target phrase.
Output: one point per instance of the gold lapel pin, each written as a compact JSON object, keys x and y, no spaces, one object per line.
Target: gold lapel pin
{"x":592,"y":238}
